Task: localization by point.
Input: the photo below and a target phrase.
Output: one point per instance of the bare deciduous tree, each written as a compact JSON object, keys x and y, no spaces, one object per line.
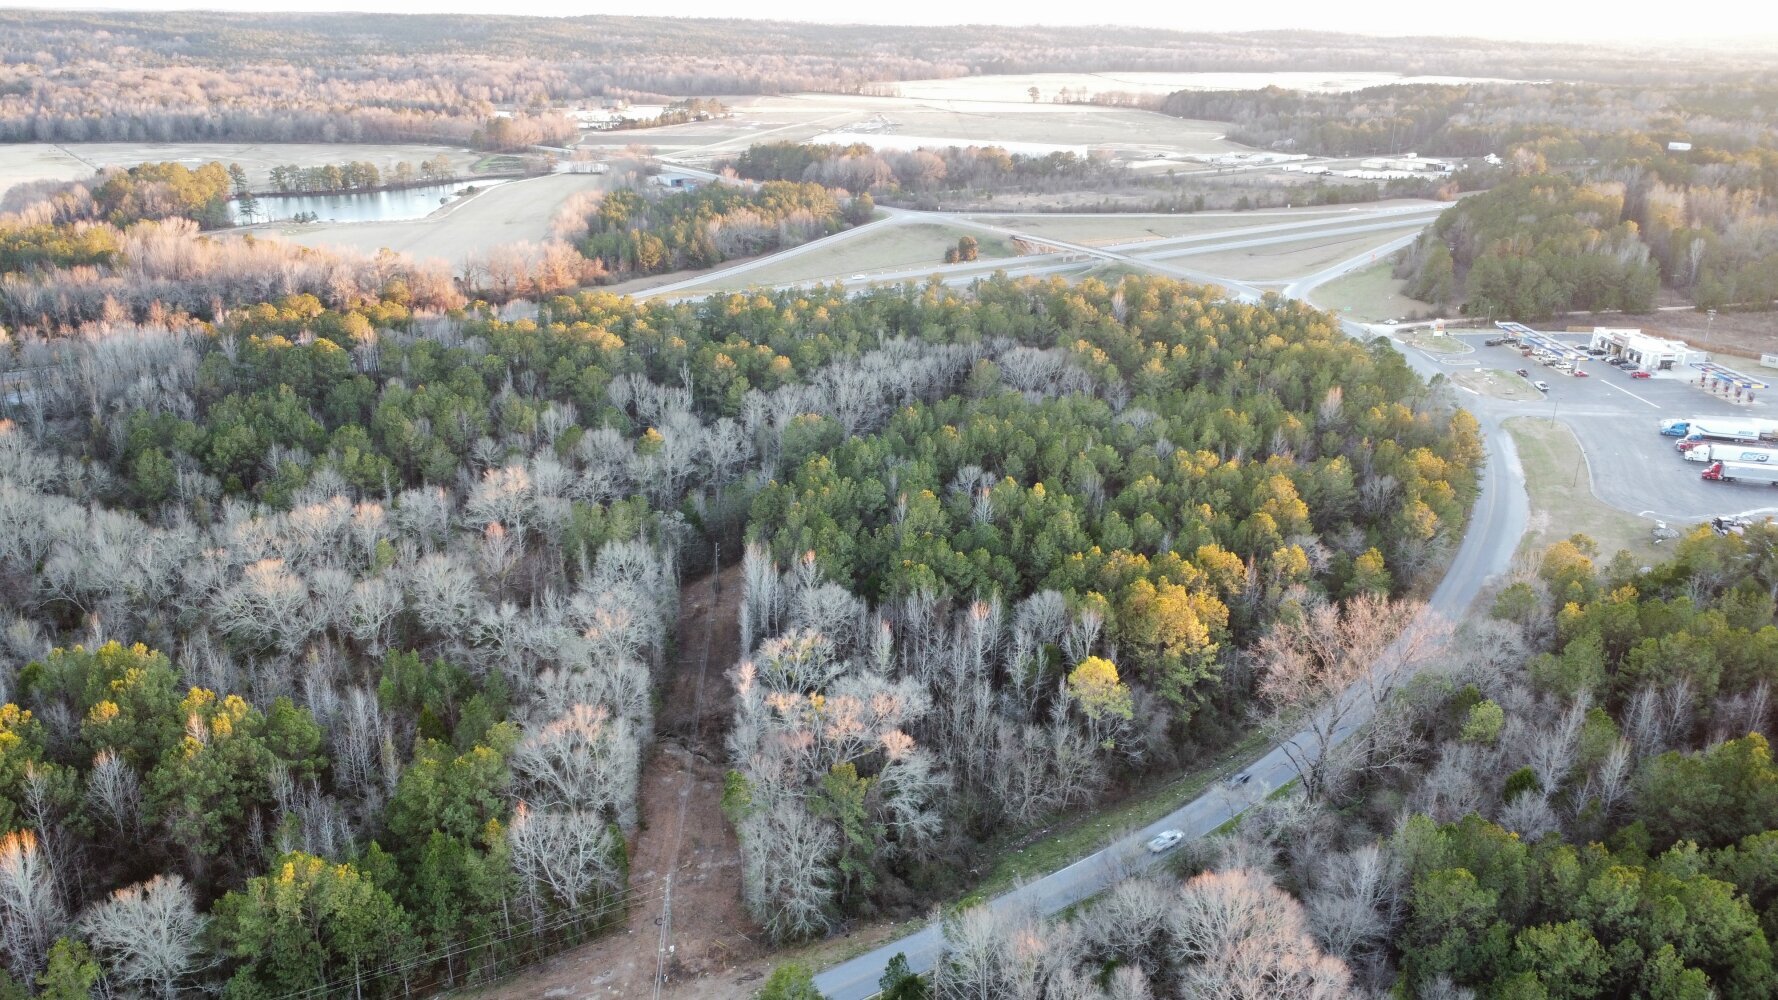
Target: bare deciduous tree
{"x":585,"y":761}
{"x":563,"y":859}
{"x":1327,"y":669}
{"x":114,"y":791}
{"x":31,"y":912}
{"x":148,"y":936}
{"x":1238,"y":935}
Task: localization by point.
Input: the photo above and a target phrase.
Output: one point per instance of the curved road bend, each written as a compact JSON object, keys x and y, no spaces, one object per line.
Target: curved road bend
{"x":1495,"y":526}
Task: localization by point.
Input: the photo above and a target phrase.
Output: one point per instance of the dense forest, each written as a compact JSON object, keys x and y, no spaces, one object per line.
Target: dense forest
{"x":630,"y":232}
{"x":332,"y":620}
{"x":1702,"y":226}
{"x":1576,"y":798}
{"x":1534,"y":247}
{"x":358,"y":77}
{"x":1003,"y":604}
{"x":1577,"y":119}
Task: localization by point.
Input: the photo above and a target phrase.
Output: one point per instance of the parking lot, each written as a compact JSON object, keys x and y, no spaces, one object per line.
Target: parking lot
{"x":1632,"y":466}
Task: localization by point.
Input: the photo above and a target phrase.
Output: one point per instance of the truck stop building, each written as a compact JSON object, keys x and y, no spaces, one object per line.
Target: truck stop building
{"x":1651,"y":354}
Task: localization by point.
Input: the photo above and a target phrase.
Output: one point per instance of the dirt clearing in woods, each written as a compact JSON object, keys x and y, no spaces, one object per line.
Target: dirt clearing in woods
{"x":717,"y":952}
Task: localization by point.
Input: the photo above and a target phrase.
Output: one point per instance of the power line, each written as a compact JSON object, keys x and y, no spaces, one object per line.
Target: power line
{"x":542,"y":925}
{"x":658,"y":887}
{"x":697,"y":730}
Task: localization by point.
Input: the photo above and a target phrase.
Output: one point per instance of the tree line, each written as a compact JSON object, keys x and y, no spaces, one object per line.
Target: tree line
{"x":859,"y":168}
{"x":983,"y":177}
{"x":636,"y":232}
{"x":1474,"y":119}
{"x":358,"y":175}
{"x":694,"y":109}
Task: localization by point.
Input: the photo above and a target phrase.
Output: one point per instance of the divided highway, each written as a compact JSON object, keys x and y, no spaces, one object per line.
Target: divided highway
{"x":1071,"y":256}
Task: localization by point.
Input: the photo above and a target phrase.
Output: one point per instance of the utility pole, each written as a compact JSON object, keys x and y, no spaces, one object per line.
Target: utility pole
{"x":660,"y":951}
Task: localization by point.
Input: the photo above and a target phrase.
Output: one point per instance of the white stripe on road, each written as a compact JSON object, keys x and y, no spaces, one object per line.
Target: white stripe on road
{"x":1633,"y":395}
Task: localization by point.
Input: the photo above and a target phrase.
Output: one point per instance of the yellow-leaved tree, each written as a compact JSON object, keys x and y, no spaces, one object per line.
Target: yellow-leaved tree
{"x":1102,"y":697}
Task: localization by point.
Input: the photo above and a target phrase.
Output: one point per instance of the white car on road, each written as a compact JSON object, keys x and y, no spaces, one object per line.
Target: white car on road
{"x":1165,"y":841}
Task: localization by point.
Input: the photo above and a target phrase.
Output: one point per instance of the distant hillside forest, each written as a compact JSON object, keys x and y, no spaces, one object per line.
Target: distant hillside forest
{"x":73,"y":77}
{"x":1575,"y":119}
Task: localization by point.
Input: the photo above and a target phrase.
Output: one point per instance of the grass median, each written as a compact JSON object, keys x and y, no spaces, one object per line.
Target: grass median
{"x":1497,"y":383}
{"x":1368,"y":295}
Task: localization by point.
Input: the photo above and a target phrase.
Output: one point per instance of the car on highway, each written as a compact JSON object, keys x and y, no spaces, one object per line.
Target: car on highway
{"x":1165,"y":841}
{"x":1640,"y":374}
{"x":1524,"y":373}
{"x":1237,"y":780}
{"x":1542,"y":386}
{"x":1581,"y":373}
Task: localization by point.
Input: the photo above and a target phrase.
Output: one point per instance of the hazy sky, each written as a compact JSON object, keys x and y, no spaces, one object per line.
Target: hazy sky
{"x":1735,"y":21}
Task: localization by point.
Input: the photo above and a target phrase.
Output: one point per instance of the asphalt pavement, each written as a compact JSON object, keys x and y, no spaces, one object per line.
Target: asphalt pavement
{"x":1630,"y":464}
{"x":1150,"y":254}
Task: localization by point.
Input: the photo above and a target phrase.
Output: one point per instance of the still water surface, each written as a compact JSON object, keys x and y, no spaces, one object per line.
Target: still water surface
{"x":362,"y":206}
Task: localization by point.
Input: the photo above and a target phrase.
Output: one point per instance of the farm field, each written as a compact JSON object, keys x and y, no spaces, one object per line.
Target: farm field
{"x":1369,"y":295}
{"x":509,"y":213}
{"x":1016,"y":87}
{"x":1118,"y":129}
{"x":73,"y":161}
{"x":38,"y":161}
{"x":1279,"y":261}
{"x":891,"y":121}
{"x":890,"y":248}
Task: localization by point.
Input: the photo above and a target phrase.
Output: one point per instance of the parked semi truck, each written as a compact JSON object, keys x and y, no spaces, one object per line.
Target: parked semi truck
{"x":1740,"y":472}
{"x":1701,"y":439}
{"x":1720,"y":428}
{"x":1706,"y":451}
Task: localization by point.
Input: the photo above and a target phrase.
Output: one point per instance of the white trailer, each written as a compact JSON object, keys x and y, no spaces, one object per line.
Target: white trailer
{"x":1738,"y":472}
{"x":1719,"y":452}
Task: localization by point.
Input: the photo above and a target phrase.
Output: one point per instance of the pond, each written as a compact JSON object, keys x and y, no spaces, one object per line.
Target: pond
{"x":361,"y":206}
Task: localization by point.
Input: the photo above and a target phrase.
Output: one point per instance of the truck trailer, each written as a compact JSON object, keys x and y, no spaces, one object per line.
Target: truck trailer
{"x":1738,"y":472}
{"x":1706,"y":451}
{"x":1747,"y":428}
{"x":1723,"y":430}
